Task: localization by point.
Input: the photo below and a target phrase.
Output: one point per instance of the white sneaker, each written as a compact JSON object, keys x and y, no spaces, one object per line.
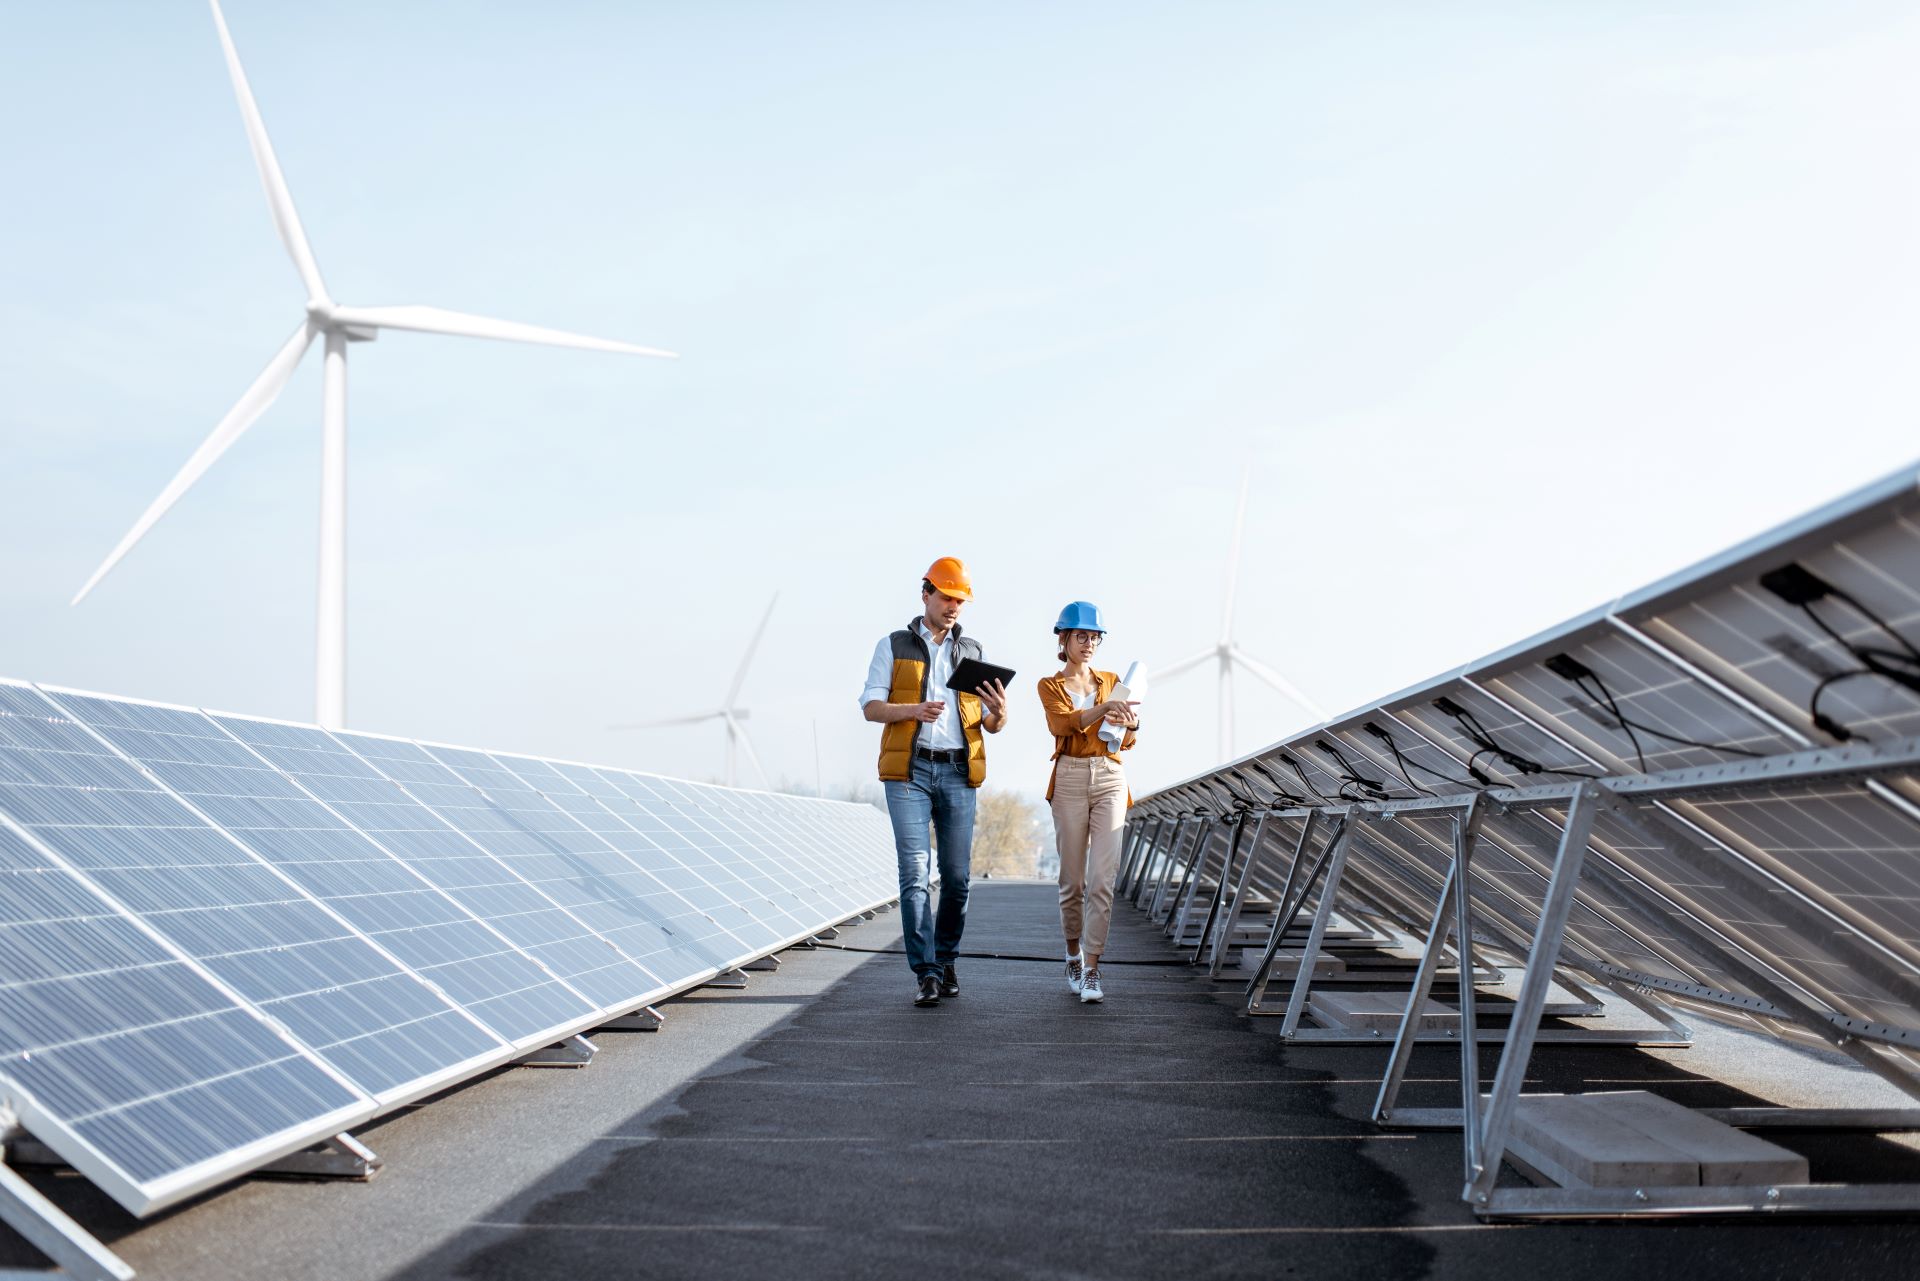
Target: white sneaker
{"x":1090,"y":988}
{"x":1074,"y":981}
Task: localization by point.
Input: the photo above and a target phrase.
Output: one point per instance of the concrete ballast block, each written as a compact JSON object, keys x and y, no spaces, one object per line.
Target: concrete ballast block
{"x":1378,"y":1011}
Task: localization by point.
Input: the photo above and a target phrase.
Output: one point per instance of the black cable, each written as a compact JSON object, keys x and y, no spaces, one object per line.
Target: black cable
{"x":1801,"y":587}
{"x":1372,"y":788}
{"x":1401,"y":762}
{"x":1874,"y":660}
{"x":1280,"y":792}
{"x":1470,"y":725}
{"x":1474,"y":781}
{"x":1824,"y":723}
{"x":1572,"y":669}
{"x":1620,"y":718}
{"x":1295,"y":765}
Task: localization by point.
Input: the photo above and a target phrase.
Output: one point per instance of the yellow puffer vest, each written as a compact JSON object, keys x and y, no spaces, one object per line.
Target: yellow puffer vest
{"x":911,"y":663}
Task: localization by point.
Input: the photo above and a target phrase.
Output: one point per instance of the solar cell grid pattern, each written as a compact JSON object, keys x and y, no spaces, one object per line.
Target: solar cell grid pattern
{"x":1610,"y":929}
{"x":657,"y":813}
{"x":1819,"y":885}
{"x":389,"y":898}
{"x":1661,"y":702}
{"x":806,"y":886}
{"x":224,"y":938}
{"x":337,"y":866}
{"x":1512,"y":733}
{"x":1372,"y":759}
{"x":110,"y":1035}
{"x":616,"y":891}
{"x":487,"y":860}
{"x":836,"y":844}
{"x":275,"y":819}
{"x":1776,"y":652}
{"x":702,"y":815}
{"x":1711,"y":901}
{"x":209,"y":896}
{"x":688,"y":874}
{"x":1504,"y":890}
{"x":1850,"y":851}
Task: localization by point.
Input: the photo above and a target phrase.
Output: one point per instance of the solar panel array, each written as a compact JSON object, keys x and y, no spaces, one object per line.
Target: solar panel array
{"x":1752,"y":728}
{"x":223,"y":939}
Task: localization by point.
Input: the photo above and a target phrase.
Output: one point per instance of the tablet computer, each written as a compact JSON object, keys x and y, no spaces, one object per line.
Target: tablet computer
{"x":971,"y":673}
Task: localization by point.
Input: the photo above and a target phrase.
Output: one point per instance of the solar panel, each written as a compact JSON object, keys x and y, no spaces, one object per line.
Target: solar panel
{"x":477,"y":853}
{"x":224,"y":938}
{"x":618,"y":897}
{"x":225,"y":907}
{"x":1735,"y":748}
{"x":153,"y":1072}
{"x":689,"y":874}
{"x":389,"y":898}
{"x":724,"y":821}
{"x":658,"y":811}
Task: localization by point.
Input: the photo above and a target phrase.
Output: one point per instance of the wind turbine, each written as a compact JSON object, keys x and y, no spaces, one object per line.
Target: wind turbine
{"x":339,"y":325}
{"x":729,"y":712}
{"x":1227,"y":653}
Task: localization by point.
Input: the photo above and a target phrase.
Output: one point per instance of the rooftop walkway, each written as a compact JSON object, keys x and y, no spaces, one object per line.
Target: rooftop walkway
{"x":817,"y":1125}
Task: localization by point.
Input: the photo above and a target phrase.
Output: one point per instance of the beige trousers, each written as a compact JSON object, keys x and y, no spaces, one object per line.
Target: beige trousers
{"x":1089,"y":811}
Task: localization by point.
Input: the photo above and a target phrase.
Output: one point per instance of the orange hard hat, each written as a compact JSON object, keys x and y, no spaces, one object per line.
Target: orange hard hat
{"x":950,"y":576}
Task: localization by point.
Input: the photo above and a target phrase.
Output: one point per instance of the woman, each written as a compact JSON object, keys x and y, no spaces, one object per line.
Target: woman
{"x":1088,"y":790}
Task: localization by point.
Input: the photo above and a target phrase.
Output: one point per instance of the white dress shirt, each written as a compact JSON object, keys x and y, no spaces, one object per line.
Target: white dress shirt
{"x":944,"y":733}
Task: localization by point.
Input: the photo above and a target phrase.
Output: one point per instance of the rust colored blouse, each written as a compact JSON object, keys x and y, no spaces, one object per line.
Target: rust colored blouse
{"x":1063,"y":720}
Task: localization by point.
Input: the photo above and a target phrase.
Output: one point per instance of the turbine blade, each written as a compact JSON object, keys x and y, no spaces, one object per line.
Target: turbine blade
{"x":251,"y":405}
{"x":740,"y":677}
{"x":1233,"y":557}
{"x":1184,"y":665}
{"x":459,"y":324}
{"x":672,"y":720}
{"x":1279,"y":682}
{"x":279,"y":200}
{"x":739,"y":734}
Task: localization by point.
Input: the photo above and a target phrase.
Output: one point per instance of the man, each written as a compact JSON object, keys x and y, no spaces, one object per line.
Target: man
{"x":932,"y":758}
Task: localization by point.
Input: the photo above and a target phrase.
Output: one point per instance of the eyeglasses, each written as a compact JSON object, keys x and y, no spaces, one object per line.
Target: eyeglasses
{"x":1091,"y":638}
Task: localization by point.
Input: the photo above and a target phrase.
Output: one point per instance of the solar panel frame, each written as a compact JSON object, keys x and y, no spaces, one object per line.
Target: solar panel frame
{"x":613,"y":980}
{"x":143,"y":1193}
{"x":496,"y":1049}
{"x":1661,"y":660}
{"x":189,"y":759}
{"x":339,"y":994}
{"x":568,"y":1011}
{"x":715,"y":876}
{"x":568,"y":831}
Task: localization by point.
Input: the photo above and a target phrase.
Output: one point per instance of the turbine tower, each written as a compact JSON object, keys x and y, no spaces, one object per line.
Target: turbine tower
{"x":1227,"y":653}
{"x":730,"y":712}
{"x":338,"y":325}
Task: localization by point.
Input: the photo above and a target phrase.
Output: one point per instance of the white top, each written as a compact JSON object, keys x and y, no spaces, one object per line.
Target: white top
{"x":944,"y":734}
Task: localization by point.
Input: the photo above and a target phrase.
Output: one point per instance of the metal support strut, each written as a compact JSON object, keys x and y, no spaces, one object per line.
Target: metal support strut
{"x":47,"y":1229}
{"x":574,"y":1052}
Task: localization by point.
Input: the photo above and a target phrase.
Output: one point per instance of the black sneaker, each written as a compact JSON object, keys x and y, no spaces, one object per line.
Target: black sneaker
{"x":929,"y":993}
{"x":949,"y":980}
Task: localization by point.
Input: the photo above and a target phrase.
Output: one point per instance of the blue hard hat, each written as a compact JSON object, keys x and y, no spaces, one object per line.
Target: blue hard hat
{"x":1082,"y":616}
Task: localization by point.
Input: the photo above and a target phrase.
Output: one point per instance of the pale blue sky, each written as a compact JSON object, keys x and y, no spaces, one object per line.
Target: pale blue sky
{"x":1513,"y":306}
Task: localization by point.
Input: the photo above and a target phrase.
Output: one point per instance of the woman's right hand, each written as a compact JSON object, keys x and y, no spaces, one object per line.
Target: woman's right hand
{"x":1117,"y":709}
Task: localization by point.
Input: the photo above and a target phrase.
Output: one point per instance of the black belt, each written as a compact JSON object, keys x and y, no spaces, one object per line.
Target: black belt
{"x":946,"y":756}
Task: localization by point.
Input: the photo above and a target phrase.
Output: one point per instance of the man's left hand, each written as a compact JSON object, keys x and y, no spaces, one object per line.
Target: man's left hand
{"x":993,"y":695}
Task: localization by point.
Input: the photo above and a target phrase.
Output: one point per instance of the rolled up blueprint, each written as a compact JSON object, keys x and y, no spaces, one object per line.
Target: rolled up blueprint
{"x":1132,"y":688}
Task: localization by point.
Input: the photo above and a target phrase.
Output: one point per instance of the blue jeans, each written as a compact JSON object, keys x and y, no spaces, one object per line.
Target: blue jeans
{"x":934,"y":792}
